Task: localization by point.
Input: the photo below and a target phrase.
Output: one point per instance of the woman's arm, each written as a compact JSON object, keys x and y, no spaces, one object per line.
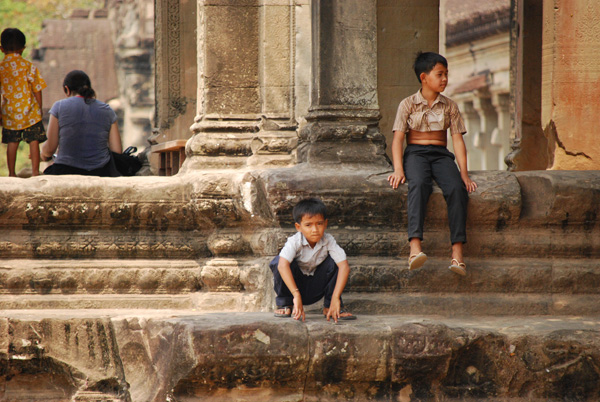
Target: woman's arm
{"x":114,"y":139}
{"x":50,"y":145}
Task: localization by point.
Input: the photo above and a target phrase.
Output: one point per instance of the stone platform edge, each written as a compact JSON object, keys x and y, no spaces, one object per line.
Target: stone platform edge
{"x":145,"y":356}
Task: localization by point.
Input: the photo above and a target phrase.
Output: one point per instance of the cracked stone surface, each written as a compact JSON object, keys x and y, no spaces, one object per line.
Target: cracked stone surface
{"x":182,"y":356}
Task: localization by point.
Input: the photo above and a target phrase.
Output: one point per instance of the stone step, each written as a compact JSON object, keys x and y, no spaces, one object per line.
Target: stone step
{"x":146,"y":355}
{"x":198,"y":301}
{"x":368,"y":274}
{"x":487,"y":275}
{"x":509,"y":286}
{"x":472,"y":305}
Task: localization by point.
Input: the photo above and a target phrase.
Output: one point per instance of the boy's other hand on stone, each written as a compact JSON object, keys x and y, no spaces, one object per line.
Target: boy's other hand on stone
{"x":470,"y":184}
{"x":334,"y":310}
{"x":298,"y":311}
{"x":396,"y":178}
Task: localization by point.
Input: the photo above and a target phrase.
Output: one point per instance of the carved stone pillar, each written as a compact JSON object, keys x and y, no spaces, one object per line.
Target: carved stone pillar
{"x":245,"y":85}
{"x":342,"y":123}
{"x":228,"y":110}
{"x":277,"y":140}
{"x":175,"y":52}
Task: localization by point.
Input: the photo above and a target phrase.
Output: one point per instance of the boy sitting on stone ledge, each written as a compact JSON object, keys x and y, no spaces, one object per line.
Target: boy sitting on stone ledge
{"x":310,"y":266}
{"x":423,"y":119}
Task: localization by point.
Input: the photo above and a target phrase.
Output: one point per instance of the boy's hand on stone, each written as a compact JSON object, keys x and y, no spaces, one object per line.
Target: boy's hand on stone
{"x":470,"y":184}
{"x":396,"y":179}
{"x":334,"y":310}
{"x":298,"y":311}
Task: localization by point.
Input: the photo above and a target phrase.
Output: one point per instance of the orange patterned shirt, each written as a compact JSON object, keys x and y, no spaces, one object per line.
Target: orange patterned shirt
{"x":19,"y":79}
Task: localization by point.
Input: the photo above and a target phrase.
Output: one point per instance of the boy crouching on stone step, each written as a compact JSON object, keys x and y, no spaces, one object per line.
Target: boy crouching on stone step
{"x":310,"y":266}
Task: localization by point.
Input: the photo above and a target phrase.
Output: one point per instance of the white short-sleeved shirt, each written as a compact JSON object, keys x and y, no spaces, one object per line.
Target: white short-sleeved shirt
{"x":308,"y":258}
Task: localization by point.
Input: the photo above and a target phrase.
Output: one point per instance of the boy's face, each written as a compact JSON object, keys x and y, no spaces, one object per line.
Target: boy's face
{"x":312,"y":227}
{"x":436,"y":79}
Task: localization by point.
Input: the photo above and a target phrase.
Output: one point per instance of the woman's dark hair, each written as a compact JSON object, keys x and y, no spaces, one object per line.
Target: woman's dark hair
{"x":78,"y":82}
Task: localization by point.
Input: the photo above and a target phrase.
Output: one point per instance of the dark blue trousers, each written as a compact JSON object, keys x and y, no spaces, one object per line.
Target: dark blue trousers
{"x":312,"y":288}
{"x":422,"y":163}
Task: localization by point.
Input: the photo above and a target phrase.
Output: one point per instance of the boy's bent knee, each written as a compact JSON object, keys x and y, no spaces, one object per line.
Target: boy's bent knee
{"x":274,"y":264}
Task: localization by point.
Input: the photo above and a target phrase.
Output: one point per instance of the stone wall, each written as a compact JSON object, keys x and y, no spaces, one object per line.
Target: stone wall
{"x":132,"y":24}
{"x":410,"y":20}
{"x":554,"y":40}
{"x":77,"y":43}
{"x":569,"y":63}
{"x":115,"y":47}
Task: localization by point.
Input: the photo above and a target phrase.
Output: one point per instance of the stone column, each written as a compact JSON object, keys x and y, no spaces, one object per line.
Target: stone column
{"x":473,"y":124}
{"x":570,"y":74}
{"x":342,"y":123}
{"x":529,"y":146}
{"x":500,"y":135}
{"x":488,"y":121}
{"x":245,"y":112}
{"x":228,"y":106}
{"x":277,"y":140}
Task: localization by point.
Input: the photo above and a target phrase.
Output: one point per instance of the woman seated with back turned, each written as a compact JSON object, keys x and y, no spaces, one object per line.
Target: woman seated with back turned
{"x":83,"y":129}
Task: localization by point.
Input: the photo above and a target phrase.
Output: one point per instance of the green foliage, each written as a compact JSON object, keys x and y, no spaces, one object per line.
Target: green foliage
{"x":28,"y":15}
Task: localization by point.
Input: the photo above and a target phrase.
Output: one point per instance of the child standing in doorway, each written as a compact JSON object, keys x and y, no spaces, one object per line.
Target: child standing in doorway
{"x":21,"y":87}
{"x":423,"y":120}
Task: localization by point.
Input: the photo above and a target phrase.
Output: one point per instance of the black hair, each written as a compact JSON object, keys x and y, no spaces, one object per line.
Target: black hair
{"x":426,"y":61}
{"x":12,"y":40}
{"x":78,"y":82}
{"x":310,"y":207}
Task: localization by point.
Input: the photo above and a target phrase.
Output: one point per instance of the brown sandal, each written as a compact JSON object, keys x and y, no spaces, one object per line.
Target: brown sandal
{"x":287,"y":311}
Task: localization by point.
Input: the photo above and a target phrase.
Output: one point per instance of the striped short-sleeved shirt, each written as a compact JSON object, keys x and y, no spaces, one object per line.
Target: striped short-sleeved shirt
{"x":415,"y":114}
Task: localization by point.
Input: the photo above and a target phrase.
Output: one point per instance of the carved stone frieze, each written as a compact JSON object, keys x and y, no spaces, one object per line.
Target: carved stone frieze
{"x":110,"y":280}
{"x":228,"y":244}
{"x":133,"y":277}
